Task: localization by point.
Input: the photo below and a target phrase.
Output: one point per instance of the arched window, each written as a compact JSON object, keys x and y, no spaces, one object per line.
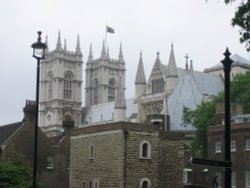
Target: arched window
{"x":50,"y":85}
{"x":157,"y":85}
{"x":95,"y":91}
{"x":67,"y":88}
{"x":111,"y":90}
{"x":145,"y":183}
{"x":145,"y":150}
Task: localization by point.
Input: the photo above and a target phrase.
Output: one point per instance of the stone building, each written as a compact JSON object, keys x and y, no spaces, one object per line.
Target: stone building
{"x":124,"y":154}
{"x":52,"y":153}
{"x":61,"y":88}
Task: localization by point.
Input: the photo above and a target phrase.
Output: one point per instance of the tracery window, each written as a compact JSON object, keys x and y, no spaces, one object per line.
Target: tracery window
{"x":157,"y":85}
{"x":67,"y":92}
{"x":111,"y":90}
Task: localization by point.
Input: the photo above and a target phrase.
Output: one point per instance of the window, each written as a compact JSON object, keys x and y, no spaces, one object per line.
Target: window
{"x":233,"y":179}
{"x":247,"y":143}
{"x":96,"y":184}
{"x":84,"y":184}
{"x":186,"y":173}
{"x":91,"y":152}
{"x":145,"y":183}
{"x":145,"y":150}
{"x":90,"y":184}
{"x":111,"y":90}
{"x":50,"y":162}
{"x":247,"y":178}
{"x":233,"y":145}
{"x":96,"y":91}
{"x":217,"y":146}
{"x":217,"y":179}
{"x":157,"y":85}
{"x":50,"y":86}
{"x":67,"y":92}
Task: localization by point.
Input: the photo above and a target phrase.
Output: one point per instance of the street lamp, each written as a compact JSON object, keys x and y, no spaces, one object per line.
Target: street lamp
{"x":39,"y":54}
{"x":227,"y":62}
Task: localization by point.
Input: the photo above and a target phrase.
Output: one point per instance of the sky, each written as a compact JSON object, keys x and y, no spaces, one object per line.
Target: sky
{"x":195,"y":27}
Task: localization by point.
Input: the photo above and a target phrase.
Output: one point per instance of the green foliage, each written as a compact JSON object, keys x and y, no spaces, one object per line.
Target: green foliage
{"x":240,"y":89}
{"x":201,"y":118}
{"x":16,"y":173}
{"x":242,"y":20}
{"x":204,"y":115}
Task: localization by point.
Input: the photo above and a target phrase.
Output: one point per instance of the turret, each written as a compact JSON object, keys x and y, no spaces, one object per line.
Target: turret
{"x":59,"y":43}
{"x":120,"y":103}
{"x":140,"y":80}
{"x":172,"y":75}
{"x":120,"y":57}
{"x":78,"y":49}
{"x":103,"y":54}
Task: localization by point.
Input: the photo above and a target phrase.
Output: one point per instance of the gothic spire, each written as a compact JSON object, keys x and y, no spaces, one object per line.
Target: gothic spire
{"x":172,"y":69}
{"x":78,"y":48}
{"x":140,"y":75}
{"x":120,"y":57}
{"x":47,"y":43}
{"x":59,"y":43}
{"x":65,"y":45}
{"x":157,"y":58}
{"x":90,"y":53}
{"x":107,"y":55}
{"x":103,"y":54}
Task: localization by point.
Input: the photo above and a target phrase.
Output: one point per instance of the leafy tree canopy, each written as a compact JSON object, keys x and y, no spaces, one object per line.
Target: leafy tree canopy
{"x":16,"y":173}
{"x":242,"y":20}
{"x":204,"y":115}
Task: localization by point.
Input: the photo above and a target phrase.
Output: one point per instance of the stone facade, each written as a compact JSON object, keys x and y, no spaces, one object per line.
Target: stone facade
{"x":111,"y":155}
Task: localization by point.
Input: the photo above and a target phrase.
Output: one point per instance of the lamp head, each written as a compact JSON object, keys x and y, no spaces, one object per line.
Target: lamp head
{"x":39,"y":47}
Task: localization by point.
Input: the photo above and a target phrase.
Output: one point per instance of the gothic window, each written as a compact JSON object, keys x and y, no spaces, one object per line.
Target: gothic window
{"x":67,"y":88}
{"x":145,"y":150}
{"x":111,"y":90}
{"x":96,"y":91}
{"x":157,"y":85}
{"x":145,"y":183}
{"x":50,"y":86}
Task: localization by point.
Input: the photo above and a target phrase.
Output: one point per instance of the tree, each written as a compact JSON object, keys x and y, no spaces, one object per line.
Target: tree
{"x":242,"y":20}
{"x":204,"y":115}
{"x":16,"y":173}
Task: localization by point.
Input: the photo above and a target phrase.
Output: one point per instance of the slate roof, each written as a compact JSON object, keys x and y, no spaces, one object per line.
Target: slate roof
{"x":7,"y":131}
{"x":238,"y":61}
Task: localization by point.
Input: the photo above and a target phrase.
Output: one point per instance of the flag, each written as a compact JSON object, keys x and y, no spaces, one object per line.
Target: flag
{"x":109,"y":29}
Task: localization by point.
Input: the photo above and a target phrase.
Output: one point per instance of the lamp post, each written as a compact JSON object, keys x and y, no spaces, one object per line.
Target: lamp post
{"x":227,"y":62}
{"x":39,"y":54}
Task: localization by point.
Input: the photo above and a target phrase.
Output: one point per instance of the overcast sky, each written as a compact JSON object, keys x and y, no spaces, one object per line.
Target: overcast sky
{"x":195,"y":27}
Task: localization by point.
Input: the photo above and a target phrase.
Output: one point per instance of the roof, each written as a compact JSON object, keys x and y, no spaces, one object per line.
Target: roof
{"x":237,"y":61}
{"x":7,"y":131}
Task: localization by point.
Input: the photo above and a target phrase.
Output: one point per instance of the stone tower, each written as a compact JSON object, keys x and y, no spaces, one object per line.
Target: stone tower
{"x":102,"y":77}
{"x":61,"y":86}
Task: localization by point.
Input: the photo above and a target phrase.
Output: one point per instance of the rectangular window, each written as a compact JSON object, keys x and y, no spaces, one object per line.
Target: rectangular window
{"x":91,"y":152}
{"x":217,"y":146}
{"x":233,"y":145}
{"x":233,"y":179}
{"x":50,"y":162}
{"x":247,"y":143}
{"x":247,"y":178}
